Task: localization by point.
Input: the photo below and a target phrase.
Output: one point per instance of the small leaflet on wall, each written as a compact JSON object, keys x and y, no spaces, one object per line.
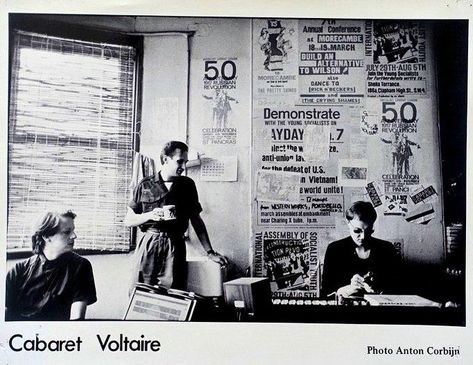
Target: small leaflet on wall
{"x":289,"y":260}
{"x":358,"y":144}
{"x":275,"y":57}
{"x":422,"y":214}
{"x":278,"y":186}
{"x":316,"y":143}
{"x":395,"y":205}
{"x":225,"y":168}
{"x":375,"y":193}
{"x":353,"y":172}
{"x":356,"y":194}
{"x":395,"y":58}
{"x":369,"y":123}
{"x":424,"y":195}
{"x":219,"y":89}
{"x":331,"y":62}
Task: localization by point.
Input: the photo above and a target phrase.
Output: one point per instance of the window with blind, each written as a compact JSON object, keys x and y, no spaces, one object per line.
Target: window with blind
{"x":70,"y":137}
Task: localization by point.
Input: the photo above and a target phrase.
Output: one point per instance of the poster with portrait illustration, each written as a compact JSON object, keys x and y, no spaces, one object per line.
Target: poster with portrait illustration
{"x":275,"y":62}
{"x":396,"y":62}
{"x":220,"y":88}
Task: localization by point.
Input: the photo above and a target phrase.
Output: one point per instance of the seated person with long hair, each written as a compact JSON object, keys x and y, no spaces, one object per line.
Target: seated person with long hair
{"x":359,"y":263}
{"x":55,"y":283}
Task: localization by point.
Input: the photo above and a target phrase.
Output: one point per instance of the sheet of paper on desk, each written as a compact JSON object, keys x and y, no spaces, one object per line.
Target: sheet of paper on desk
{"x":225,"y":168}
{"x":399,"y":300}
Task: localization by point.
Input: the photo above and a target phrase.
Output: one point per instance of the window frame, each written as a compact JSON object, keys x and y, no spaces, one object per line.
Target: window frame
{"x":35,"y":24}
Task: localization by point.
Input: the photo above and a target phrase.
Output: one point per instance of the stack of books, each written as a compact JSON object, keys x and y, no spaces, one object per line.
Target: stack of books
{"x":455,"y":238}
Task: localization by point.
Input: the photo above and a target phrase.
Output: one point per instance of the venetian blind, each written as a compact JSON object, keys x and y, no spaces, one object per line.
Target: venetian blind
{"x":70,"y":137}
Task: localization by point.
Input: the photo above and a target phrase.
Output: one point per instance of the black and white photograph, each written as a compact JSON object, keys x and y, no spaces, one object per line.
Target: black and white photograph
{"x":225,"y":174}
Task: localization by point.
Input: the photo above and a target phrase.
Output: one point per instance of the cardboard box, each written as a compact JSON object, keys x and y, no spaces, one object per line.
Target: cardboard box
{"x":252,"y":296}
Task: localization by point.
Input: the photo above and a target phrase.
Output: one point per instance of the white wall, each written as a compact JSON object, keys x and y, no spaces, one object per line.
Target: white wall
{"x":165,"y":84}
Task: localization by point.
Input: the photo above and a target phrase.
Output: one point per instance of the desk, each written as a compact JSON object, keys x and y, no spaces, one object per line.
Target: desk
{"x":365,"y":315}
{"x":327,"y":312}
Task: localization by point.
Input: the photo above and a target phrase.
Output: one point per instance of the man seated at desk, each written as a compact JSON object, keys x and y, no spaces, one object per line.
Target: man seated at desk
{"x":360,"y":263}
{"x":55,"y":283}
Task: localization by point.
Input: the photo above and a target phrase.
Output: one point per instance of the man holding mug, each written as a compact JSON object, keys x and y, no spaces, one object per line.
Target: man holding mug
{"x":162,"y":206}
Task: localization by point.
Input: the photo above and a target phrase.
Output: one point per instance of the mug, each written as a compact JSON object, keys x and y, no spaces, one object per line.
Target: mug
{"x":169,"y":212}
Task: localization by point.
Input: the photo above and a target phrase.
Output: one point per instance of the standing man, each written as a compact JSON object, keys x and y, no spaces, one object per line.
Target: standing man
{"x":162,"y":206}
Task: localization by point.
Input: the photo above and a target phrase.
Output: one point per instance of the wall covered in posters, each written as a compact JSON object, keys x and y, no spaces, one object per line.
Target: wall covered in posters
{"x":343,"y":110}
{"x":317,"y":114}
